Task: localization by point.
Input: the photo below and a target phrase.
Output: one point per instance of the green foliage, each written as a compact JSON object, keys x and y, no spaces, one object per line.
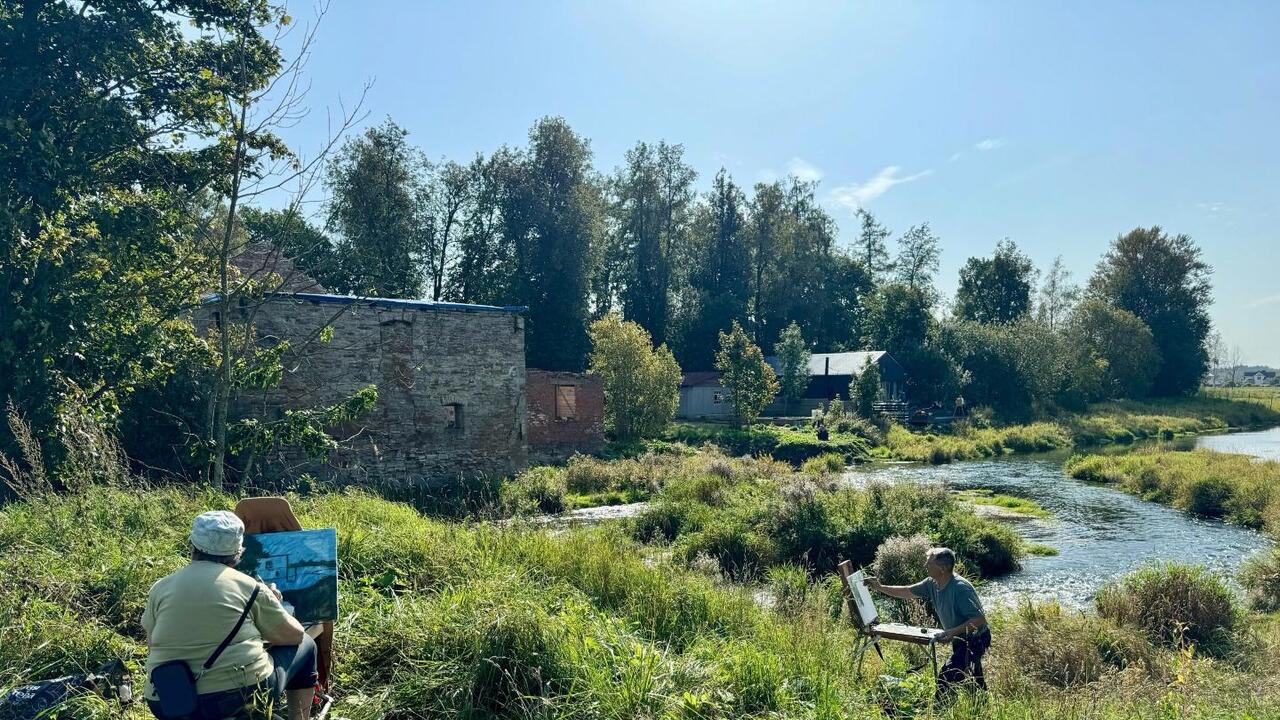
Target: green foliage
{"x":918,"y":256}
{"x":823,"y":464}
{"x":652,"y":200}
{"x":1236,"y":488}
{"x":785,"y":444}
{"x":641,"y":383}
{"x":793,"y":360}
{"x":1176,"y":605}
{"x":870,"y":247}
{"x":1121,"y":348}
{"x":560,"y":221}
{"x":379,"y":194}
{"x":306,"y":246}
{"x":1066,"y":649}
{"x":1164,"y":281}
{"x":473,"y":620}
{"x":1260,"y":576}
{"x":100,"y":178}
{"x":743,"y":371}
{"x":996,"y":289}
{"x":536,"y":490}
{"x":1015,"y":368}
{"x":865,"y":390}
{"x":719,"y":273}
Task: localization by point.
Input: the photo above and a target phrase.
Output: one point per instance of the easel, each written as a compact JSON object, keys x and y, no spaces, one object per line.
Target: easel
{"x":870,"y":633}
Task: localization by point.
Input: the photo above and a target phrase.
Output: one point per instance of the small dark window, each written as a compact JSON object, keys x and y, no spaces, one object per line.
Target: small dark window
{"x":453,"y":416}
{"x":566,"y":402}
{"x":717,"y":398}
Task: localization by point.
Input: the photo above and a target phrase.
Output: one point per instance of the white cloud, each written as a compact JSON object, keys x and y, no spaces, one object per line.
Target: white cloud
{"x":804,"y":170}
{"x":855,"y":195}
{"x":956,"y":157}
{"x":989,"y":144}
{"x":1268,"y":300}
{"x":1212,"y":207}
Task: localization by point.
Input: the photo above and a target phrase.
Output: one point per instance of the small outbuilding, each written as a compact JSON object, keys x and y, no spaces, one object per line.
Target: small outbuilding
{"x":566,"y":414}
{"x":702,"y":397}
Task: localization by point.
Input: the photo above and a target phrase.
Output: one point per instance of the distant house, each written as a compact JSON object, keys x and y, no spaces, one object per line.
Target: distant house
{"x":703,"y":397}
{"x":831,"y":373}
{"x":1258,"y":376}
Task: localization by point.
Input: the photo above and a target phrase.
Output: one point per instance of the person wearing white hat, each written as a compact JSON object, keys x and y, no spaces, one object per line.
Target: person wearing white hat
{"x":194,"y":610}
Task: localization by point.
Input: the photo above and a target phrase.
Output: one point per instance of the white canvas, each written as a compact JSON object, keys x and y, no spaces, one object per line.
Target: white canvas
{"x":862,"y":599}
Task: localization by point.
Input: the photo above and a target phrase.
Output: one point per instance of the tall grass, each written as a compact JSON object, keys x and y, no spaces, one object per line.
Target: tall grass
{"x":444,"y":619}
{"x":755,"y":521}
{"x":1236,"y":488}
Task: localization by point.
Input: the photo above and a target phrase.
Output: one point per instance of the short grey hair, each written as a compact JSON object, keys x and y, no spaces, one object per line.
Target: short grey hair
{"x":944,"y":556}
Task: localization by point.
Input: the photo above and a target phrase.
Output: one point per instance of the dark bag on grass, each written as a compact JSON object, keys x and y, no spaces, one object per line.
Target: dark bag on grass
{"x":175,"y":684}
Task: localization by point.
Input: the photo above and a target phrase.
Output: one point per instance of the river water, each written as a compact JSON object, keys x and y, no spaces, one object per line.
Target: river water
{"x":1264,"y":445}
{"x":1100,"y":532}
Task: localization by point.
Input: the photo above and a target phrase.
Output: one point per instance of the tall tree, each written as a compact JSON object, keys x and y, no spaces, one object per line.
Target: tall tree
{"x":298,"y":240}
{"x":870,"y":249}
{"x":379,"y":205}
{"x":485,"y":270}
{"x":996,"y":289}
{"x":720,"y":279}
{"x":1121,"y":346}
{"x":1058,"y":296}
{"x":1164,"y":281}
{"x":109,"y":117}
{"x":562,"y":208}
{"x":918,"y":256}
{"x":452,"y":199}
{"x":752,"y":384}
{"x":651,"y":200}
{"x":793,"y":364}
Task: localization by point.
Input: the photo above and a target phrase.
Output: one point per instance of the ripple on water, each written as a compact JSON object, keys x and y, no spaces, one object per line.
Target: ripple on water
{"x":1101,"y":533}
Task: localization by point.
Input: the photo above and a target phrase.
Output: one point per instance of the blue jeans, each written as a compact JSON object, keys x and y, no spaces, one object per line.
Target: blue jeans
{"x":295,"y":669}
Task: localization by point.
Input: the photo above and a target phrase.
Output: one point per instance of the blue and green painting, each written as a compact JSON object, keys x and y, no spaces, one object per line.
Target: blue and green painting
{"x":303,"y":565}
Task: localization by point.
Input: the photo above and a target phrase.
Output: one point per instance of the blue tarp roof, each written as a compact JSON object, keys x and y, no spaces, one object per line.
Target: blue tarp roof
{"x":320,"y":298}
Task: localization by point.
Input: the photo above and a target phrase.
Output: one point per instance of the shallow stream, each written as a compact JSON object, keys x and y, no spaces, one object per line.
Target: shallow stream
{"x":1100,"y":532}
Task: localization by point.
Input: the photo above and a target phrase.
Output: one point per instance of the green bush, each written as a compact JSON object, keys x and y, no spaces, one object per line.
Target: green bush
{"x":1067,"y":650}
{"x":741,"y":552}
{"x":1175,"y":605}
{"x":536,"y":490}
{"x":1260,"y":576}
{"x":1206,"y":495}
{"x":823,"y":464}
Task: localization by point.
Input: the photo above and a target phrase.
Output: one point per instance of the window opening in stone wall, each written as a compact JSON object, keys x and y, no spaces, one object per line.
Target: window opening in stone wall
{"x":453,"y":416}
{"x":566,"y":402}
{"x":717,"y":398}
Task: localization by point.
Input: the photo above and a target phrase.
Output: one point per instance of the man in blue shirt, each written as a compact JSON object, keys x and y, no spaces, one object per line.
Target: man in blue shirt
{"x":959,"y":610}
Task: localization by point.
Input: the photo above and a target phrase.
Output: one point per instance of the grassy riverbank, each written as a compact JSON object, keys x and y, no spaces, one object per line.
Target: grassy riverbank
{"x":1236,"y":488}
{"x":444,"y":619}
{"x":1121,"y":422}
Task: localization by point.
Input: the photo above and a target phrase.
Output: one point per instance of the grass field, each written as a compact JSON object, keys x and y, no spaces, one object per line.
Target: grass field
{"x":464,"y":620}
{"x":1266,"y":396}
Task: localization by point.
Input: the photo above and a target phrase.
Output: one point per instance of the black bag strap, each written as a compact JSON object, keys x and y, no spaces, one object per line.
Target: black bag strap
{"x":234,"y":631}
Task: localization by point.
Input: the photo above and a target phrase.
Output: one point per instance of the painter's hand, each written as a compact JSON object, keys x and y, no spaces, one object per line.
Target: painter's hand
{"x":276,"y":591}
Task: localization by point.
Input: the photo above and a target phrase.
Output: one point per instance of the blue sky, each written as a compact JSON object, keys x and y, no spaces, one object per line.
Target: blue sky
{"x":1058,"y":125}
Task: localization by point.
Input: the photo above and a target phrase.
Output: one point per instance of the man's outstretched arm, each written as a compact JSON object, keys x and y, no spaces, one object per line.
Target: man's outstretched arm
{"x":902,"y":592}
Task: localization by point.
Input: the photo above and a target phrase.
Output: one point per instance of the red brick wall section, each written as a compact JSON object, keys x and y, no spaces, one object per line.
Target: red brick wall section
{"x":551,"y":439}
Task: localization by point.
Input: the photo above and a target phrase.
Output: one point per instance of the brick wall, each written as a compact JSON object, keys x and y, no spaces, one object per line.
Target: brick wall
{"x":423,"y":359}
{"x":552,"y":439}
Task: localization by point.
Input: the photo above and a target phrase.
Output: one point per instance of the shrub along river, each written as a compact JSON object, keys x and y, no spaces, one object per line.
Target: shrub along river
{"x":1100,"y":532}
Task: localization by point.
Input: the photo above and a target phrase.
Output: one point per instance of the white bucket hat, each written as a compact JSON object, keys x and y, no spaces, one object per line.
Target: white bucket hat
{"x":217,"y":532}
